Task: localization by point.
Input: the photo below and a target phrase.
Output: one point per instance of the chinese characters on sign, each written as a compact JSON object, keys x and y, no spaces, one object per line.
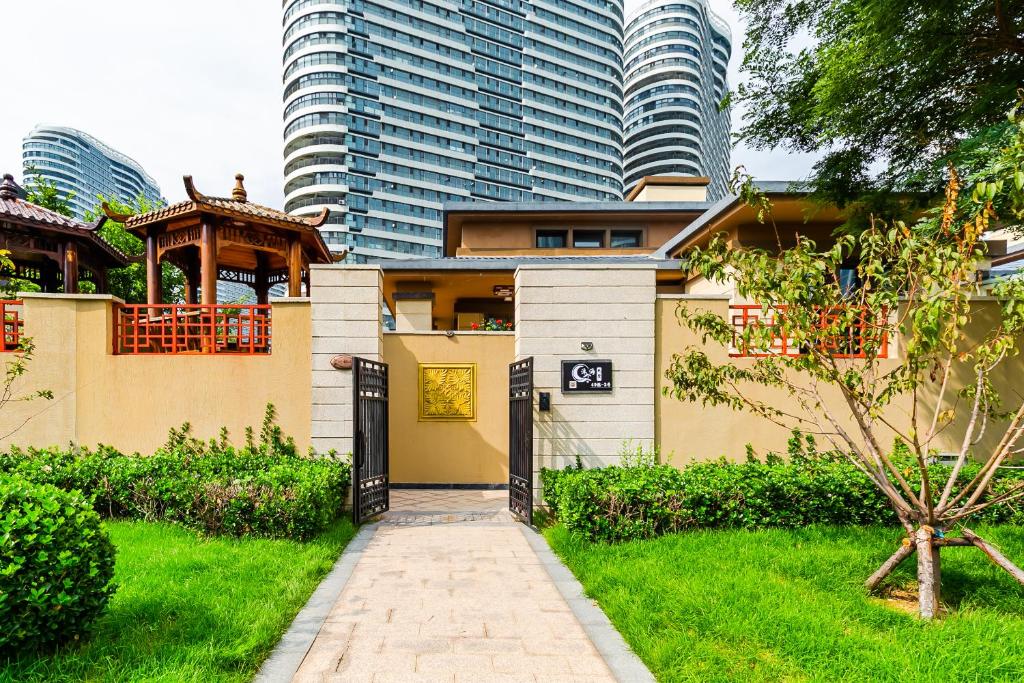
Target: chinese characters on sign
{"x":586,"y":375}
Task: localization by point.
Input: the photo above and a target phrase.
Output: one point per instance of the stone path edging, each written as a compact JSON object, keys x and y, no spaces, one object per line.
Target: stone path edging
{"x":623,"y":662}
{"x":289,"y":652}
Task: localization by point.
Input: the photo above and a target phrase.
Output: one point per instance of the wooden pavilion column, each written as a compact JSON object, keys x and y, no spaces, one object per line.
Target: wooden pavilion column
{"x":102,"y":281}
{"x":191,"y":277}
{"x":262,"y":284}
{"x":154,"y":270}
{"x":295,"y":267}
{"x":70,"y":264}
{"x":48,"y":275}
{"x":208,"y":262}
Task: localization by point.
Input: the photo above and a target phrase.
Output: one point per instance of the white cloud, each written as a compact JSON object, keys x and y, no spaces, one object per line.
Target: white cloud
{"x":186,"y":86}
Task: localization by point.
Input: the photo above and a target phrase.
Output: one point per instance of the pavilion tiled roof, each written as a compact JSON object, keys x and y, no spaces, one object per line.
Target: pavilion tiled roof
{"x":17,"y":210}
{"x":236,"y":206}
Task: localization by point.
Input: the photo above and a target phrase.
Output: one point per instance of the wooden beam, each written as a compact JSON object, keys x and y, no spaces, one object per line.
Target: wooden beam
{"x":208,"y":262}
{"x":295,"y":267}
{"x":154,"y":271}
{"x":70,"y":268}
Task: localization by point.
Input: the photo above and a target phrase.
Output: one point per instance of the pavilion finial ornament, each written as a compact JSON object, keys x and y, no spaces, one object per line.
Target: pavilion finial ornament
{"x":8,"y":190}
{"x":239,"y":194}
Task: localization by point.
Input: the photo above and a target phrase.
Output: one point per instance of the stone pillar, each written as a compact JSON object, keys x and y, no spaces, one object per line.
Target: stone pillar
{"x":414,"y":311}
{"x":558,"y":308}
{"x":347,"y":320}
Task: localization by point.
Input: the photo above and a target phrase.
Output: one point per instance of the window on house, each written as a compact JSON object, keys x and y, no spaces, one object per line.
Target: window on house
{"x":552,"y":239}
{"x":588,"y":239}
{"x":626,"y":239}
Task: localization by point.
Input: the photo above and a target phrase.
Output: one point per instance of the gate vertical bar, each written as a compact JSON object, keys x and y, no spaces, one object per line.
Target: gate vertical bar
{"x":520,"y":439}
{"x":370,"y":447}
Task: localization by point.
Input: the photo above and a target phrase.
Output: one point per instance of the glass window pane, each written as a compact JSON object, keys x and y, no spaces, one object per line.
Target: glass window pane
{"x":626,"y":239}
{"x":588,"y":239}
{"x":551,"y":239}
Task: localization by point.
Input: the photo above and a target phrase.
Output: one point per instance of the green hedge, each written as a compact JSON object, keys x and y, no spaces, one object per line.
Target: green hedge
{"x":265,"y":488}
{"x":623,"y":503}
{"x":56,"y":565}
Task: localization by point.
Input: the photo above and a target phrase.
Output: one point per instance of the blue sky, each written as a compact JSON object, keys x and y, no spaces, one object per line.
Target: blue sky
{"x":187,"y":86}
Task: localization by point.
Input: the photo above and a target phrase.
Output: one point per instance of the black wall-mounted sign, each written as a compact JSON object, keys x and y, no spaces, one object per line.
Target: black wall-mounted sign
{"x":586,"y":375}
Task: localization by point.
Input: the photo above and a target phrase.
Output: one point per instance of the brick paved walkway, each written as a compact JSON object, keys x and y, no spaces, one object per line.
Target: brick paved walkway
{"x":449,"y":589}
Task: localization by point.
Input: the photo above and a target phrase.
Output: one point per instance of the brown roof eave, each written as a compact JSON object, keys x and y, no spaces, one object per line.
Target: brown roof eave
{"x":87,"y":235}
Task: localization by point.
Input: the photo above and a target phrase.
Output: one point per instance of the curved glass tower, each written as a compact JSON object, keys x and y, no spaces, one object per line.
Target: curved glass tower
{"x":77,"y":162}
{"x":676,"y":60}
{"x":393,"y":107}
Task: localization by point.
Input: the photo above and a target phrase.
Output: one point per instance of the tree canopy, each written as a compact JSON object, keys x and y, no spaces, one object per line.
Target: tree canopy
{"x":45,"y":193}
{"x":888,"y":92}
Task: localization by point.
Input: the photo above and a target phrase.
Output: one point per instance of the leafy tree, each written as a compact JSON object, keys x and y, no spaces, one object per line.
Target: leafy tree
{"x":45,"y":193}
{"x":916,"y":284}
{"x":906,"y":86}
{"x":130,"y":283}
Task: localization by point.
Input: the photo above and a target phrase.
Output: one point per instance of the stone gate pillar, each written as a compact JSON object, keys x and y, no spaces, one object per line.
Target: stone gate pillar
{"x":560,"y":310}
{"x":347,"y":320}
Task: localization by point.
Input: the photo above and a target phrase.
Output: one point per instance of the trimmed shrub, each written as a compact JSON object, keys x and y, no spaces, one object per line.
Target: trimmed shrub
{"x":265,"y":488}
{"x":56,"y":565}
{"x":623,"y":503}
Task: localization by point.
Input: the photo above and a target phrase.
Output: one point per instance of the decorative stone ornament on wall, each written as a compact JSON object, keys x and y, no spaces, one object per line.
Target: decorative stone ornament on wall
{"x":447,"y":392}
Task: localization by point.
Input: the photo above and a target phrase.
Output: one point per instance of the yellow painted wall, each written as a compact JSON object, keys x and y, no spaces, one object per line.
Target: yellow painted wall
{"x":689,"y":431}
{"x":130,"y":402}
{"x":466,"y":452}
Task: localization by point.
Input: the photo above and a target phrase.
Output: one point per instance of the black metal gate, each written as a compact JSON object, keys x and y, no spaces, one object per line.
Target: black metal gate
{"x":369,"y":439}
{"x":520,"y":439}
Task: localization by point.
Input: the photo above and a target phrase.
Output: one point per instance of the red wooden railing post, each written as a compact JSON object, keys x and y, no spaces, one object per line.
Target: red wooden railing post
{"x":193,"y":328}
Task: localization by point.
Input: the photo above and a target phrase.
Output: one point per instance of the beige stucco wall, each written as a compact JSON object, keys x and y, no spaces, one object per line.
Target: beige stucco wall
{"x":459,"y":452}
{"x":690,"y":431}
{"x":130,"y":402}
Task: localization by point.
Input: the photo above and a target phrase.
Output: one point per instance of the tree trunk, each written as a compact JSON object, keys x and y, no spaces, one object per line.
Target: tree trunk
{"x":889,"y":565}
{"x":929,"y":573}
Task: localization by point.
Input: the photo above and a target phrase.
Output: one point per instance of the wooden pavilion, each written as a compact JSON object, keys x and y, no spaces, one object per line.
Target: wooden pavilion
{"x":228,"y":239}
{"x":51,"y":250}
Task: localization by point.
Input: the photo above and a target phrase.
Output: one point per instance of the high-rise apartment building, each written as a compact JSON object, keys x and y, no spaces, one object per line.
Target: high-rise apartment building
{"x":675,"y":62}
{"x":77,"y":162}
{"x":393,"y":107}
{"x":396,"y":106}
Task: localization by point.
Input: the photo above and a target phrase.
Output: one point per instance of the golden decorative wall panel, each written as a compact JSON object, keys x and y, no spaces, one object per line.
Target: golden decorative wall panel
{"x":447,"y":391}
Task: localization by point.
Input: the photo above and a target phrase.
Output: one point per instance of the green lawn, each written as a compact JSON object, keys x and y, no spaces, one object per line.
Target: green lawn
{"x":788,"y":605}
{"x":190,"y":608}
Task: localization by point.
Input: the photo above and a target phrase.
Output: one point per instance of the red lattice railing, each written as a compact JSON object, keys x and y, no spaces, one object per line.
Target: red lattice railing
{"x":12,"y":312}
{"x":192,"y":328}
{"x":852,"y":343}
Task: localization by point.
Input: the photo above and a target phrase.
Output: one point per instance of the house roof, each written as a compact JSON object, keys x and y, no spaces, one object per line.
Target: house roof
{"x":458,"y":213}
{"x":725,"y":206}
{"x":510,"y":263}
{"x":666,"y":180}
{"x":1013,"y":255}
{"x":18,"y":211}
